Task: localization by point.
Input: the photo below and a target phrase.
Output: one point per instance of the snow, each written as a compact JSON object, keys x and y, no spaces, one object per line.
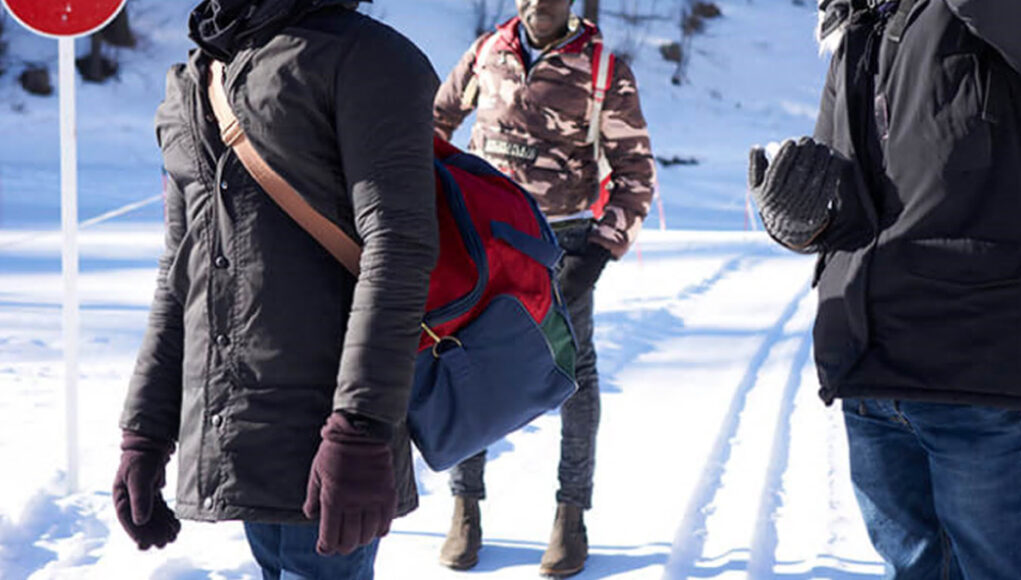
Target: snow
{"x":715,"y":457}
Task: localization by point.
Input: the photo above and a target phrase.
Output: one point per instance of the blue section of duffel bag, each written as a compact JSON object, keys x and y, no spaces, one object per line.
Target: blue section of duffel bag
{"x":469,"y":395}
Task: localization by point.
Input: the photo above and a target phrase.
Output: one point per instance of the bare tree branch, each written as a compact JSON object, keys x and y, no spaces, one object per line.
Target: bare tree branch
{"x":487,"y":12}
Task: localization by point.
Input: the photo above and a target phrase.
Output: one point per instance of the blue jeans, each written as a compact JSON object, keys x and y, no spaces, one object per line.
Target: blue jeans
{"x":579,"y":415}
{"x":939,"y":487}
{"x":288,"y":552}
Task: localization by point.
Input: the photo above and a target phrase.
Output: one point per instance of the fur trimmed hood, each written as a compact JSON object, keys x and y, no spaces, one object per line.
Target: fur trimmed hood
{"x":221,"y":27}
{"x":833,"y":17}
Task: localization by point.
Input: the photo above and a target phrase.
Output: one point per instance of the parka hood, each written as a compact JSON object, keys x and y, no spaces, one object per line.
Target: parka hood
{"x":221,"y":27}
{"x":833,"y":18}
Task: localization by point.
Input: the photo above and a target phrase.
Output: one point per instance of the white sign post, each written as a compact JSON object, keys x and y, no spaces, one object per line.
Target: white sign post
{"x":66,"y":20}
{"x":69,"y":252}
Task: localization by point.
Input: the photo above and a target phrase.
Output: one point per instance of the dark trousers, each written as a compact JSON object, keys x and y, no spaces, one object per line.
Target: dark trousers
{"x":579,"y":415}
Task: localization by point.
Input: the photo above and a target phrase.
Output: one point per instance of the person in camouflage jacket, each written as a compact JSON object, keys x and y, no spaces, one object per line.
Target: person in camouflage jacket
{"x":533,"y":84}
{"x":532,"y":122}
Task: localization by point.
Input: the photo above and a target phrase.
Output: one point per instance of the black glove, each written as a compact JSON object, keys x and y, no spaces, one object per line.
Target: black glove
{"x":797,"y":193}
{"x":579,"y":272}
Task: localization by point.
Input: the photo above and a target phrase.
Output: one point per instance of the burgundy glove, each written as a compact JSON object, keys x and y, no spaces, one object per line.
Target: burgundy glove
{"x":136,"y":491}
{"x":351,"y":486}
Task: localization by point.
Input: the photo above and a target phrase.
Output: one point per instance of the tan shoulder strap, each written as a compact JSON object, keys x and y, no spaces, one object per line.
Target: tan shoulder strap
{"x":331,"y":237}
{"x":484,"y":49}
{"x":472,"y":88}
{"x":601,"y":63}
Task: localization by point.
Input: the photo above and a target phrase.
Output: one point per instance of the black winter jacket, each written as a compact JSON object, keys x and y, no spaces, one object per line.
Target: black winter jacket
{"x":256,"y":333}
{"x":927,"y":304}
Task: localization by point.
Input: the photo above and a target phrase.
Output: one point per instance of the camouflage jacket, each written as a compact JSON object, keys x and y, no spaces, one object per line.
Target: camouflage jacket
{"x":533,"y":124}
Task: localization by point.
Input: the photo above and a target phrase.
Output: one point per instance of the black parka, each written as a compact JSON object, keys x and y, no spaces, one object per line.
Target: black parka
{"x":927,"y":304}
{"x":256,"y":333}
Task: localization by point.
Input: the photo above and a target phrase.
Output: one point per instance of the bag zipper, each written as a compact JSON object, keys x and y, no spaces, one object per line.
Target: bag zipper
{"x":473,"y":243}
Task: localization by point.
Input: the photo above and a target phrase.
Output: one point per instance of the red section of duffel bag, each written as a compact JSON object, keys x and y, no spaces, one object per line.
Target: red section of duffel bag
{"x":487,"y":197}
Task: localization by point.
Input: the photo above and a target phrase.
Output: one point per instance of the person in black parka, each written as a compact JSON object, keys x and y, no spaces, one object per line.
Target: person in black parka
{"x":282,"y":378}
{"x":910,"y":192}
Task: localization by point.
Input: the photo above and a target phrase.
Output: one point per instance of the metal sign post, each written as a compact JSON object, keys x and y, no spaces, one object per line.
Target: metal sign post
{"x":69,"y":251}
{"x":66,"y":20}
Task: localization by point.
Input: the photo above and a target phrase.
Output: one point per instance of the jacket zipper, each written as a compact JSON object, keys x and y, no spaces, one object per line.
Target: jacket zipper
{"x":527,"y":76}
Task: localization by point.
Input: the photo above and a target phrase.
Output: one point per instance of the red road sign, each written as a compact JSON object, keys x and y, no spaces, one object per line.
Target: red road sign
{"x":63,"y":18}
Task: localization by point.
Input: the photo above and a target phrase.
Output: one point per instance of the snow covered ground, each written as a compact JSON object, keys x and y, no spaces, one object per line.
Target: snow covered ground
{"x":716,"y":459}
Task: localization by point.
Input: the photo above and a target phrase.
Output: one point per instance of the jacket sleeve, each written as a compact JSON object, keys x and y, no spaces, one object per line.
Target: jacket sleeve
{"x":852,"y":213}
{"x":453,"y":102}
{"x":385,"y":134}
{"x":625,"y":143}
{"x":153,"y":403}
{"x":995,"y":21}
{"x":824,"y":121}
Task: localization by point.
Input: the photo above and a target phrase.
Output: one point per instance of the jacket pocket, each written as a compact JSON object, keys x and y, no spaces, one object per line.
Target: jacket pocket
{"x":961,"y":130}
{"x":947,"y":314}
{"x":842,"y":327}
{"x":963,"y":261}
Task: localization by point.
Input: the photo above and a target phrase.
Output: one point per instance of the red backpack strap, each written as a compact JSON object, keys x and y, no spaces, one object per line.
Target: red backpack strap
{"x":602,"y":76}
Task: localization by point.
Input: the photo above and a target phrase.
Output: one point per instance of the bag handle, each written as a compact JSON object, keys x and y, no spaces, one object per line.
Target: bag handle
{"x":327,"y":233}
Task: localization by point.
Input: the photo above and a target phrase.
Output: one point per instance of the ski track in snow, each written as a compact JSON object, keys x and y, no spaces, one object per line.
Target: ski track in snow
{"x":763,"y":551}
{"x":651,"y":324}
{"x":758,"y":557}
{"x":691,"y":535}
{"x":731,"y":265}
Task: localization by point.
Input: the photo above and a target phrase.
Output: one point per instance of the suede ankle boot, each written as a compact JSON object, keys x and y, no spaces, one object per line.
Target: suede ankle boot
{"x":568,"y":545}
{"x":460,"y":551}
